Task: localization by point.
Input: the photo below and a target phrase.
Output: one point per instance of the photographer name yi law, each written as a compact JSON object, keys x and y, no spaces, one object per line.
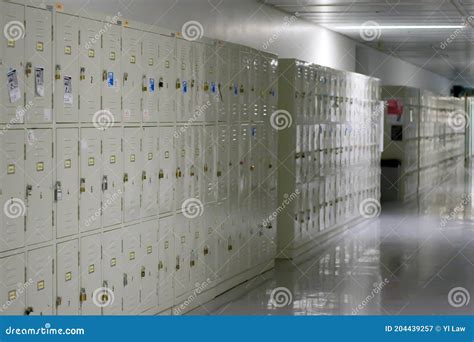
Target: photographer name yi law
{"x":413,"y":328}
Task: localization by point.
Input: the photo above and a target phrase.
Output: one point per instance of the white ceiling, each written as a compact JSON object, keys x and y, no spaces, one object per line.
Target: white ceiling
{"x":420,"y":47}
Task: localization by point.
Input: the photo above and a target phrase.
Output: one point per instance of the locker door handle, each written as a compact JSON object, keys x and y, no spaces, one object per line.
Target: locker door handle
{"x":125,"y":177}
{"x":29,"y":189}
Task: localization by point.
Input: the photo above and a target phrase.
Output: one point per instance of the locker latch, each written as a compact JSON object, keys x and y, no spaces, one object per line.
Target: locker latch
{"x":58,"y":192}
{"x":178,"y":84}
{"x":57,"y":74}
{"x":59,"y":300}
{"x":161,"y":174}
{"x":28,"y":310}
{"x":125,"y":177}
{"x":177,"y":263}
{"x":83,"y":185}
{"x":143,"y":175}
{"x":191,"y":173}
{"x":160,"y":82}
{"x":28,"y":68}
{"x":83,"y":295}
{"x":144,"y":84}
{"x":270,"y":166}
{"x":252,"y":167}
{"x":206,"y":86}
{"x":105,"y":183}
{"x":160,"y":265}
{"x":82,"y":74}
{"x":192,"y":84}
{"x":125,"y":280}
{"x":143,"y":272}
{"x":178,"y":172}
{"x":206,"y":168}
{"x":29,"y":189}
{"x":219,"y":173}
{"x":241,"y":90}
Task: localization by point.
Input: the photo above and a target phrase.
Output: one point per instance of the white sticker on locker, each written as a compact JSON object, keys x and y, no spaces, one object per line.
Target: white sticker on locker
{"x":68,"y":98}
{"x":13,"y":87}
{"x":39,"y":82}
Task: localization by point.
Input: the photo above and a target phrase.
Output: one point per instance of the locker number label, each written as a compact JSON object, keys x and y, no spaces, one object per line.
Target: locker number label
{"x":167,"y":64}
{"x":167,"y":154}
{"x":68,"y":276}
{"x":150,"y":156}
{"x":113,"y":262}
{"x":91,"y":53}
{"x":91,"y":269}
{"x":132,"y":158}
{"x":67,"y":50}
{"x":12,"y":295}
{"x":133,"y":59}
{"x":167,"y":244}
{"x":91,"y":161}
{"x":149,"y":249}
{"x":112,"y":159}
{"x":112,"y":56}
{"x":39,"y":166}
{"x":40,"y":285}
{"x":11,"y":43}
{"x":11,"y":169}
{"x":67,"y":164}
{"x":151,"y":61}
{"x":39,"y":46}
{"x":131,"y":256}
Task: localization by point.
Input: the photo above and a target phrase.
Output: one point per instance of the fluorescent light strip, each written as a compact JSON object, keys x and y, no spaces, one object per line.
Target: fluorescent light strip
{"x":398,"y":27}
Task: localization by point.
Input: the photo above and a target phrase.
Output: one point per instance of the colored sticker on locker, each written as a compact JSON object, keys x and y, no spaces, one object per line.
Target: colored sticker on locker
{"x":67,"y":164}
{"x":167,"y":244}
{"x":112,"y":159}
{"x":91,"y":161}
{"x":113,"y":262}
{"x":11,"y":169}
{"x":67,"y":50}
{"x":213,"y":87}
{"x":13,"y":87}
{"x":133,"y":59}
{"x":150,"y":156}
{"x":91,"y":53}
{"x":68,"y":276}
{"x":149,"y":249}
{"x":152,"y":85}
{"x":236,"y":89}
{"x":185,"y":87}
{"x":112,"y":55}
{"x":68,"y":98}
{"x":12,"y":295}
{"x":91,"y":269}
{"x":151,"y":61}
{"x":39,"y":82}
{"x":40,"y":285}
{"x":110,"y":79}
{"x":132,"y":158}
{"x":131,"y":255}
{"x":39,"y":166}
{"x":167,"y":154}
{"x":39,"y":46}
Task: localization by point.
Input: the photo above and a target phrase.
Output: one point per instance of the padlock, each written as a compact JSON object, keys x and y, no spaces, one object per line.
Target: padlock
{"x":144,"y":84}
{"x":28,"y":310}
{"x":29,"y":189}
{"x":28,"y":68}
{"x":206,"y":86}
{"x":178,"y":173}
{"x":104,"y":75}
{"x":219,"y":173}
{"x":206,"y":250}
{"x":160,"y":265}
{"x":82,"y":75}
{"x":178,"y":84}
{"x":59,"y":300}
{"x":58,"y":192}
{"x":125,"y":280}
{"x":105,"y":183}
{"x":83,"y":185}
{"x":82,"y":295}
{"x":177,"y":263}
{"x":192,"y":263}
{"x":57,"y":74}
{"x":191,"y":173}
{"x":143,"y":175}
{"x":161,"y":174}
{"x":143,"y":272}
{"x":125,"y":76}
{"x":160,"y":82}
{"x":206,"y":168}
{"x":125,"y":177}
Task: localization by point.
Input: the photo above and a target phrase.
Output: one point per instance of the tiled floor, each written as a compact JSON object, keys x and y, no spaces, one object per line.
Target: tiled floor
{"x":405,"y":262}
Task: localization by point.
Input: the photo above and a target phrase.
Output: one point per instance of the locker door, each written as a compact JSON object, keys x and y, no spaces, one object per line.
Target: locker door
{"x":196,"y":162}
{"x":67,"y":278}
{"x":39,"y":186}
{"x":131,"y":271}
{"x":150,"y":80}
{"x":182,"y":173}
{"x":196,"y":260}
{"x":208,"y":171}
{"x":12,"y":269}
{"x":244,"y":84}
{"x":66,"y":188}
{"x":149,"y":265}
{"x":199,"y":85}
{"x":166,"y":262}
{"x":224,"y":84}
{"x":90,"y":72}
{"x":222,"y":171}
{"x":244,"y":165}
{"x":111,"y":75}
{"x":113,"y":269}
{"x":39,"y":296}
{"x":131,"y":75}
{"x":211,"y":85}
{"x":166,"y":79}
{"x":150,"y":172}
{"x":12,"y":194}
{"x":38,"y":65}
{"x":209,"y":248}
{"x":66,"y":72}
{"x":167,"y":172}
{"x":234,"y":166}
{"x":132,"y":174}
{"x":112,"y":181}
{"x":184,"y":83}
{"x":182,"y":254}
{"x":234,"y":85}
{"x":90,"y":180}
{"x":12,"y":70}
{"x":90,"y":270}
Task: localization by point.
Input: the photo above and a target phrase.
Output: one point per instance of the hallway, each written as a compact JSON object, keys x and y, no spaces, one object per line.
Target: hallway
{"x":405,"y":262}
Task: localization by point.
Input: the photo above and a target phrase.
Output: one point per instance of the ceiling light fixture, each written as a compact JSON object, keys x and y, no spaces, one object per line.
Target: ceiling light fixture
{"x":398,"y":27}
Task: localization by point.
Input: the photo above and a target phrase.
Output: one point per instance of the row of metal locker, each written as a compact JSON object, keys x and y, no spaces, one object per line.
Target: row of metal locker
{"x":135,"y":74}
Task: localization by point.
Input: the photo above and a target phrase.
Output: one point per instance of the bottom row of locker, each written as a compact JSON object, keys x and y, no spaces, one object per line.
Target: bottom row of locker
{"x":142,"y":268}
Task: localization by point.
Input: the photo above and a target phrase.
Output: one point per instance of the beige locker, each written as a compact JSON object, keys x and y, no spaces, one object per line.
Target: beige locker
{"x":111,"y":72}
{"x":131,"y":75}
{"x":167,"y":174}
{"x":132,"y":173}
{"x":67,"y":278}
{"x":90,"y":273}
{"x":150,"y":173}
{"x":113,"y":269}
{"x":166,"y":79}
{"x":39,"y":296}
{"x":166,"y":262}
{"x":13,"y":285}
{"x":150,"y":76}
{"x":148,"y":264}
{"x":131,"y":270}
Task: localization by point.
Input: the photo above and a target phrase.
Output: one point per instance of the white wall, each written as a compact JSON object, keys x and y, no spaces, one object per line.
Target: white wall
{"x":252,"y":23}
{"x":394,"y":71}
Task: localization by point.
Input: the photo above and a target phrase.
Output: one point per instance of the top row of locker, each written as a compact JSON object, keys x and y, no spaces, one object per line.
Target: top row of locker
{"x":124,"y":74}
